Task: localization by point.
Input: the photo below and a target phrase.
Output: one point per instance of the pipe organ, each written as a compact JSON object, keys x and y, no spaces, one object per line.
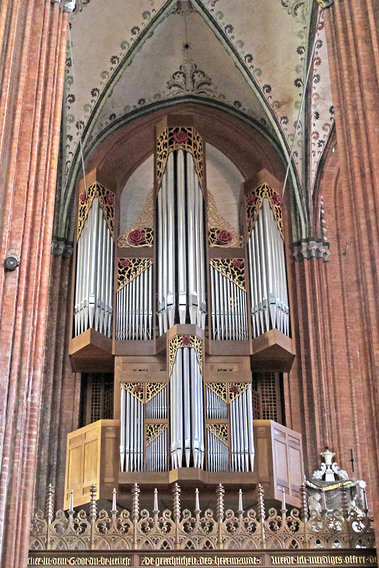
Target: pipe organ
{"x":190,"y":300}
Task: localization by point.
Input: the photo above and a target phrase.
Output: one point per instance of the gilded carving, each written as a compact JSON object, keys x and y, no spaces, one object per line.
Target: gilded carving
{"x":254,"y":201}
{"x":130,"y":268}
{"x":140,"y":234}
{"x":106,"y":200}
{"x":153,"y":431}
{"x":152,"y":389}
{"x":180,"y":138}
{"x":180,"y":341}
{"x":220,"y":232}
{"x":219,"y":389}
{"x":135,"y":389}
{"x":236,"y":389}
{"x":220,"y":431}
{"x":231,"y":268}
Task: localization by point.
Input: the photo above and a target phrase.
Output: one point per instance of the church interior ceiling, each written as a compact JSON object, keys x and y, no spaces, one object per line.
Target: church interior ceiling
{"x":249,"y":57}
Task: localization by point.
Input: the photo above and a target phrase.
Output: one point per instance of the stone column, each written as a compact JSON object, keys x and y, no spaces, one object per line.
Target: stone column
{"x":61,"y":387}
{"x":33,"y":37}
{"x":353,"y":50}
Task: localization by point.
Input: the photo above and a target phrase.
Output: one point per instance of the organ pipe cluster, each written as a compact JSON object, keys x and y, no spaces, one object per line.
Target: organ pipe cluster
{"x":94,"y":274}
{"x":131,"y":432}
{"x":181,"y":245}
{"x":143,"y":429}
{"x":229,"y":309}
{"x":186,"y":410}
{"x":135,"y":308}
{"x":268,"y":282}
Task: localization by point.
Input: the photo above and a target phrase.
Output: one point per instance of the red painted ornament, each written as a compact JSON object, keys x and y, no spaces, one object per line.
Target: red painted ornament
{"x":251,"y":198}
{"x":82,"y":198}
{"x":186,"y":340}
{"x":224,"y":237}
{"x":276,"y":199}
{"x":235,"y":388}
{"x":237,"y":263}
{"x":137,"y":388}
{"x":180,"y":137}
{"x":110,"y":198}
{"x":137,"y":237}
{"x":124,"y":262}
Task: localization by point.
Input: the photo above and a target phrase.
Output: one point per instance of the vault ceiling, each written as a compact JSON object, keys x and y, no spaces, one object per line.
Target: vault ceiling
{"x":249,"y":55}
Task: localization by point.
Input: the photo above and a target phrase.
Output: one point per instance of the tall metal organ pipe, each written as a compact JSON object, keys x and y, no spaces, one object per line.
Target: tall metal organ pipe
{"x":241,"y":426}
{"x":94,"y":274}
{"x":267,"y":269}
{"x":131,"y":432}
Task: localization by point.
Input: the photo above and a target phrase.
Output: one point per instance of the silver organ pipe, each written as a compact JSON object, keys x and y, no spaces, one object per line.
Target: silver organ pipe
{"x":241,"y":429}
{"x":218,"y":451}
{"x":131,"y":430}
{"x":187,"y":405}
{"x":94,"y":274}
{"x":186,"y":411}
{"x":181,"y":282}
{"x":229,"y":312}
{"x":197,"y":406}
{"x":134,"y":305}
{"x":176,"y":413}
{"x":216,"y":406}
{"x":156,"y":450}
{"x":170,"y":200}
{"x":156,"y":407}
{"x":268,"y":284}
{"x":122,"y":429}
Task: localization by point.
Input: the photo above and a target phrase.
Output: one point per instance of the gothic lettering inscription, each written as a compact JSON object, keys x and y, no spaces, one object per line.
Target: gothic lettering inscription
{"x":200,"y":560}
{"x":72,"y":560}
{"x":232,"y":559}
{"x":320,"y":559}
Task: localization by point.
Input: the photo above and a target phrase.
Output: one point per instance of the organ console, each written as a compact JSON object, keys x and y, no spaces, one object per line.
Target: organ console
{"x":187,"y":301}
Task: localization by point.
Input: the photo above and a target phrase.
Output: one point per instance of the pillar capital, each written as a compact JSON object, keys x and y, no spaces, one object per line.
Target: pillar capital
{"x":311,"y":248}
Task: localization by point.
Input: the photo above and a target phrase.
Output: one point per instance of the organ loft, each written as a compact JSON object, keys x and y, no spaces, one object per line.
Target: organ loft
{"x":189,"y":281}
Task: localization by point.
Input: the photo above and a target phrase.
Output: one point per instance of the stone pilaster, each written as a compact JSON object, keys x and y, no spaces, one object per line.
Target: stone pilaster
{"x":353,"y":51}
{"x":33,"y":38}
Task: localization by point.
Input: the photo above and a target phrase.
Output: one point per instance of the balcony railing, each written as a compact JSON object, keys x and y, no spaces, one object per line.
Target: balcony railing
{"x":174,"y":529}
